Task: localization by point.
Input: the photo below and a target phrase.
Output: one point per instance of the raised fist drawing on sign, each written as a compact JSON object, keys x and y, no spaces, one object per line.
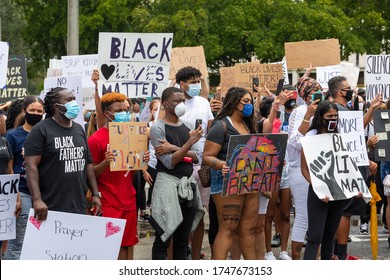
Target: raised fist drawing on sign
{"x":323,"y":169}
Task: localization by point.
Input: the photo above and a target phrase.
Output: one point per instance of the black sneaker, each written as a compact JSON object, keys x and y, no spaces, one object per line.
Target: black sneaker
{"x":275,"y":242}
{"x":144,"y":218}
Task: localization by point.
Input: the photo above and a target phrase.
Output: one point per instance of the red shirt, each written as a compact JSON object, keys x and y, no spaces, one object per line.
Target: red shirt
{"x":117,"y":190}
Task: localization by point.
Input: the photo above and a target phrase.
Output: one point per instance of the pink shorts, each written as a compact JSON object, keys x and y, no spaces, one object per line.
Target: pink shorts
{"x":130,"y":236}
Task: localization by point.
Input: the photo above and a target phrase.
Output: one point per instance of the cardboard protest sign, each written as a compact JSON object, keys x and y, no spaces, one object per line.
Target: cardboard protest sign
{"x":188,"y":56}
{"x":325,"y":73}
{"x":382,"y":130}
{"x":135,"y":64}
{"x":256,"y":163}
{"x":9,"y":186}
{"x":268,"y":74}
{"x":317,"y":52}
{"x":333,"y":173}
{"x":377,"y":76}
{"x":72,"y":83}
{"x":82,"y":65}
{"x":227,"y":78}
{"x":66,"y":236}
{"x":145,"y":113}
{"x":351,"y":73}
{"x":129,"y":142}
{"x":351,"y":125}
{"x":4,"y":49}
{"x":16,"y":85}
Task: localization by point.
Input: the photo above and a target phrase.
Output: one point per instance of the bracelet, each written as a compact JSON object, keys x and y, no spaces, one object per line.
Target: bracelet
{"x":306,"y":121}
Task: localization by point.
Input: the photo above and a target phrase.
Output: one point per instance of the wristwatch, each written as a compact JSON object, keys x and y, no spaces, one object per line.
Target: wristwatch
{"x":98,"y":194}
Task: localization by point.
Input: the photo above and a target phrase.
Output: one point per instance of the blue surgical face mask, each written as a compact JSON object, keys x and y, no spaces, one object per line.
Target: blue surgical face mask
{"x":248,"y":110}
{"x":72,"y":110}
{"x":193,"y":90}
{"x":120,"y":116}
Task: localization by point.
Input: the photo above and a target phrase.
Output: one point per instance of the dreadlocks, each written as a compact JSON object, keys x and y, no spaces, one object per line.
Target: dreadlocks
{"x":232,"y":99}
{"x":13,"y":113}
{"x":52,"y":97}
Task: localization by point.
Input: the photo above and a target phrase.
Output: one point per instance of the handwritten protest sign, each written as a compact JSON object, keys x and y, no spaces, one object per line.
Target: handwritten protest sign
{"x":228,"y":77}
{"x":129,"y":142}
{"x":382,"y":130}
{"x":4,"y":49}
{"x":55,"y":68}
{"x":135,"y":64}
{"x":268,"y":74}
{"x":377,"y":76}
{"x":317,"y":52}
{"x":16,"y":86}
{"x":325,"y":73}
{"x":9,"y":185}
{"x":188,"y":56}
{"x":351,"y":73}
{"x":66,"y":236}
{"x":82,"y":65}
{"x":285,"y":71}
{"x":333,"y":172}
{"x":351,"y":125}
{"x":72,"y":83}
{"x":256,"y":163}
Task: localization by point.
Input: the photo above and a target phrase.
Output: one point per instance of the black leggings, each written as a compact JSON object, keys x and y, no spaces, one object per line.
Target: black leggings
{"x":139,"y":185}
{"x":324,"y":219}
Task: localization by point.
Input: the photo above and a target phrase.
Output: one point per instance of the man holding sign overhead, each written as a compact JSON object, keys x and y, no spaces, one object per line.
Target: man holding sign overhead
{"x":117,"y":191}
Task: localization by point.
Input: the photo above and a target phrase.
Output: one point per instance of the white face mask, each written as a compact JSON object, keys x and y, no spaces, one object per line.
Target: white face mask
{"x":180,"y":109}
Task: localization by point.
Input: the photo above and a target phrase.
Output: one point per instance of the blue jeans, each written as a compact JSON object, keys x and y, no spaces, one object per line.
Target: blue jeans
{"x":15,"y":245}
{"x":216,"y":181}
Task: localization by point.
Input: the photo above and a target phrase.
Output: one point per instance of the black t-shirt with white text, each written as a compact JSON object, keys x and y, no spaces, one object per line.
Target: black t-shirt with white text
{"x":63,"y":167}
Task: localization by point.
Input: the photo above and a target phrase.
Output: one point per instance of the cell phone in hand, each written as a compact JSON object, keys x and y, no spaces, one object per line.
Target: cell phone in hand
{"x":317,"y":96}
{"x":218,"y":96}
{"x":198,"y":122}
{"x":280,"y":87}
{"x":294,"y":95}
{"x":255,"y":82}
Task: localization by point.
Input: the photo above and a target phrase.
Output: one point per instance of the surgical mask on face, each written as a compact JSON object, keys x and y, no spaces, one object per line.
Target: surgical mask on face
{"x":72,"y":110}
{"x":247,"y":110}
{"x":330,"y":125}
{"x":120,"y":116}
{"x":193,"y":90}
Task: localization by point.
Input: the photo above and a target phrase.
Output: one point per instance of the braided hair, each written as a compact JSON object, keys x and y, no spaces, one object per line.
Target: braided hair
{"x":52,"y":97}
{"x":232,"y":99}
{"x":13,"y":113}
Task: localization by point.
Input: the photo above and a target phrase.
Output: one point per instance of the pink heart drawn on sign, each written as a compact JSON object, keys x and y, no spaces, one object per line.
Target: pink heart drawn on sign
{"x":35,"y":222}
{"x":111,"y":229}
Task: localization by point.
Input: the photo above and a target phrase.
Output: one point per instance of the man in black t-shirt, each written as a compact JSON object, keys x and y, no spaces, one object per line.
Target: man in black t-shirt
{"x":58,"y":162}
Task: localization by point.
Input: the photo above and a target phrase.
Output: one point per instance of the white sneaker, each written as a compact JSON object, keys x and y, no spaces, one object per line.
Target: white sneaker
{"x":284,"y":256}
{"x":269,"y":256}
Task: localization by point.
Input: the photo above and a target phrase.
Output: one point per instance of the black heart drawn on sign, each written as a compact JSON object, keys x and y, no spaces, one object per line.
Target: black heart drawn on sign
{"x":107,"y":70}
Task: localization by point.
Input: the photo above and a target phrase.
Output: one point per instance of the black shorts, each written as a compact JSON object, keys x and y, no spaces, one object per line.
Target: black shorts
{"x":354,"y":207}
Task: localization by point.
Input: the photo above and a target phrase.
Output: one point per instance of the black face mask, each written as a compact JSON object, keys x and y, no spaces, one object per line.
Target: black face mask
{"x":33,"y":119}
{"x":330,"y":125}
{"x":290,"y":104}
{"x":348,"y":95}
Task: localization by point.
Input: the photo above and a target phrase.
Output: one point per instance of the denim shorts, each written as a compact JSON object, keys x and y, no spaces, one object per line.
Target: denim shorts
{"x":216,"y":181}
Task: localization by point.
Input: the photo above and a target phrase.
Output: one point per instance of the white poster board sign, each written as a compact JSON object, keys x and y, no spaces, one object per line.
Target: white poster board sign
{"x":285,"y":71}
{"x":135,"y":64}
{"x":351,"y":73}
{"x":333,"y":173}
{"x":377,"y":76}
{"x":72,"y":83}
{"x":66,"y":236}
{"x":325,"y":73}
{"x":4,"y":49}
{"x":82,"y":65}
{"x":351,"y":125}
{"x":9,"y":191}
